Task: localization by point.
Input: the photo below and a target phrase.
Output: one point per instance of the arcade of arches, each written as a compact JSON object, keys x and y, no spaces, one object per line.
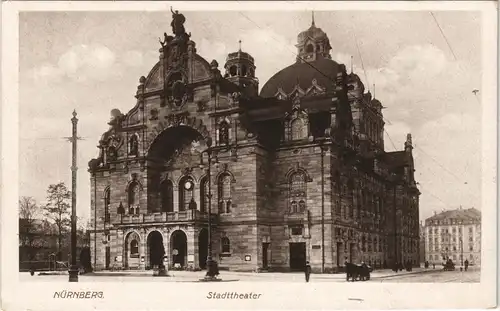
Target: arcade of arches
{"x":273,"y":170}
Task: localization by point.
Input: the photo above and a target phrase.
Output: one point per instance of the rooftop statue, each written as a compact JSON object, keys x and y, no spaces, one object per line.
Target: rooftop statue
{"x":177,"y":23}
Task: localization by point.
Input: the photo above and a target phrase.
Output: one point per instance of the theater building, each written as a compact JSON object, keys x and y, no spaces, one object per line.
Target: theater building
{"x":297,"y":171}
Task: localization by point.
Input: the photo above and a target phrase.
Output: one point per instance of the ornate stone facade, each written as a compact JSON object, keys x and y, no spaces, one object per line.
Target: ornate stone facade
{"x":297,"y":172}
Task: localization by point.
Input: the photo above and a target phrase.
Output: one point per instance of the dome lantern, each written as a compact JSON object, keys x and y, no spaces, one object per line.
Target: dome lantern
{"x":312,"y":44}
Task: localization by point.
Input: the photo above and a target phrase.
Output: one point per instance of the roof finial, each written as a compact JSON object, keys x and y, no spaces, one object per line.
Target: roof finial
{"x":351,"y":64}
{"x":240,"y":45}
{"x":373,"y":90}
{"x":312,"y":24}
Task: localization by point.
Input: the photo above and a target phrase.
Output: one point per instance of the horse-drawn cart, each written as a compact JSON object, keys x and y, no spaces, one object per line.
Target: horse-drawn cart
{"x":356,"y":272}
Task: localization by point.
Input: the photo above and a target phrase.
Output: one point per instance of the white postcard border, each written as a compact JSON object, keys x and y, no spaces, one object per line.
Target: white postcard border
{"x":277,"y":295}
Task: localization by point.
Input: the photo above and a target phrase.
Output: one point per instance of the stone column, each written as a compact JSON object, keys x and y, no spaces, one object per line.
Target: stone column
{"x":191,"y":247}
{"x":142,"y":250}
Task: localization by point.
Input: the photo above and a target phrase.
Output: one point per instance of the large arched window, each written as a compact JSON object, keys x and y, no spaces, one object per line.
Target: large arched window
{"x":225,"y":245}
{"x":186,"y":192}
{"x":351,"y":202}
{"x":134,"y":248}
{"x":133,"y":198}
{"x":298,"y":129}
{"x":224,"y":133}
{"x":133,"y":145}
{"x":297,"y":192}
{"x":204,"y":195}
{"x":167,"y":196}
{"x":107,"y":201}
{"x":224,"y":185}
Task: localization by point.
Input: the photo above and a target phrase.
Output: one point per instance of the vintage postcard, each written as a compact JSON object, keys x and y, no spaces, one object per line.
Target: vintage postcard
{"x":248,"y":155}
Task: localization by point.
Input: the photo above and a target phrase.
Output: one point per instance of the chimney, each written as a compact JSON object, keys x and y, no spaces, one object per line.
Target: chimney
{"x":435,"y":213}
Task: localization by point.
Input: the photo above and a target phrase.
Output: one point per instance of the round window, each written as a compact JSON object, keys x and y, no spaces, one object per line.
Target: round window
{"x":188,"y":185}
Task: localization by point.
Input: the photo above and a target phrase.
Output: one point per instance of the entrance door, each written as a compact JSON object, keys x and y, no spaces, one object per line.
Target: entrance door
{"x":339,"y":249}
{"x":351,"y":251}
{"x":265,"y":250}
{"x":108,"y":256}
{"x":203,"y":248}
{"x":179,"y":248}
{"x":297,"y":256}
{"x":155,"y":248}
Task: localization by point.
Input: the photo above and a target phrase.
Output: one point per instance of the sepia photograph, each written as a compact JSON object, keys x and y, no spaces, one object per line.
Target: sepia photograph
{"x":319,"y":147}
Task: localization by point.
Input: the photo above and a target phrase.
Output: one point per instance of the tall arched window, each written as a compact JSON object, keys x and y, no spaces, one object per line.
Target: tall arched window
{"x":204,"y":195}
{"x":351,"y":202}
{"x":134,"y":248}
{"x":224,"y":133}
{"x":133,"y":198}
{"x":297,"y":129}
{"x":297,"y":192}
{"x":224,"y":185}
{"x":167,"y":196}
{"x":107,"y":201}
{"x":186,"y":192}
{"x":338,"y":201}
{"x":225,"y":245}
{"x":133,"y":145}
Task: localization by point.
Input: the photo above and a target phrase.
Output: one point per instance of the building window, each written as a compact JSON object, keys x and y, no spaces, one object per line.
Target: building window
{"x":107,"y":201}
{"x":470,"y":230}
{"x":204,"y":195}
{"x":297,"y":230}
{"x":167,"y":196}
{"x":298,"y":129}
{"x":297,"y":192}
{"x":225,"y":245}
{"x":224,"y":133}
{"x":186,"y":193}
{"x":133,"y":145}
{"x":225,"y":194}
{"x":133,"y":198}
{"x":471,"y":248}
{"x":134,"y":248}
{"x":454,"y":248}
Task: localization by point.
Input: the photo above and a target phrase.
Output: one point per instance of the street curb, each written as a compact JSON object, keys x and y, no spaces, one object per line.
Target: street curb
{"x":403,"y":274}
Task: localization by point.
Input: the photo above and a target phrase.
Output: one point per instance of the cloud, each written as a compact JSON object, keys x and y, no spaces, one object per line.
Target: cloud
{"x":97,"y":63}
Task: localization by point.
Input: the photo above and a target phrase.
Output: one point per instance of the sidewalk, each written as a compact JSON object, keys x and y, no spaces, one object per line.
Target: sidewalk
{"x":195,"y":275}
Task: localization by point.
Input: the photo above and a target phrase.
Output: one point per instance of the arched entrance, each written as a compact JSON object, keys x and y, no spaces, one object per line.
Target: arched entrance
{"x":203,"y":248}
{"x":178,"y":244}
{"x":156,"y":250}
{"x":131,"y":251}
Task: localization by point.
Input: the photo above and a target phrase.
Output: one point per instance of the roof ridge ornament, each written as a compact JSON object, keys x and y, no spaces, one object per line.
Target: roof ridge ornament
{"x":312,"y":23}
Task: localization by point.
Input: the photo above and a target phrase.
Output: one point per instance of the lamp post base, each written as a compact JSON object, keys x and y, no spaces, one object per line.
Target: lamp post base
{"x":212,"y":270}
{"x":73,"y":274}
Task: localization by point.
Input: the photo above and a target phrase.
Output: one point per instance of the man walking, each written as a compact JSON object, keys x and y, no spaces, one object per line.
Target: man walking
{"x":307,"y":271}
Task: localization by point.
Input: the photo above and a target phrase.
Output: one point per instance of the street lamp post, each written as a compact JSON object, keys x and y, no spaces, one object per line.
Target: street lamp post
{"x":212,"y":268}
{"x":461,"y":251}
{"x":73,"y":271}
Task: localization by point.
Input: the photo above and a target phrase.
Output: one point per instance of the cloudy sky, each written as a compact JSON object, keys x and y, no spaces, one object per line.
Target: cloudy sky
{"x":92,"y":61}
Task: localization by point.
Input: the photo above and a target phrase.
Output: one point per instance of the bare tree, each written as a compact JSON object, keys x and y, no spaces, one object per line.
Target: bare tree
{"x":57,"y":209}
{"x":29,"y":211}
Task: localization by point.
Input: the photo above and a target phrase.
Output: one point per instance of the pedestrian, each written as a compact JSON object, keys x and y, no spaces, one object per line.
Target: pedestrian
{"x":307,"y":271}
{"x":466,"y":263}
{"x":433,"y":266}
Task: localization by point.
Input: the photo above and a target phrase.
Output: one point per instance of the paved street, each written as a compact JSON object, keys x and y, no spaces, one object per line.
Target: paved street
{"x":416,"y":276}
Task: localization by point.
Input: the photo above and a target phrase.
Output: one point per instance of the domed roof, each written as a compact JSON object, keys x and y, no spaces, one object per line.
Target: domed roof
{"x":314,"y":33}
{"x":303,"y":74}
